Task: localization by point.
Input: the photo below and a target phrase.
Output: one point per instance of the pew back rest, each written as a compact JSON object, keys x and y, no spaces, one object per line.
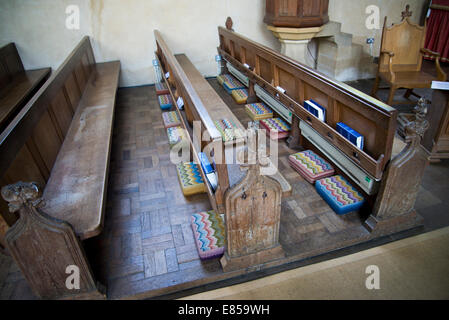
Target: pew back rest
{"x":375,"y":120}
{"x":31,"y":142}
{"x":10,"y":63}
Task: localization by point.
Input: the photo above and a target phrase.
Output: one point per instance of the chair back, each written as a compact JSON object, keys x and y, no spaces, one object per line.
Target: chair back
{"x":405,"y":40}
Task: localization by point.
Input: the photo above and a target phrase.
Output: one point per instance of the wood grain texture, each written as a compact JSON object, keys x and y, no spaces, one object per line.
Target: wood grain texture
{"x":376,"y":121}
{"x":76,"y":190}
{"x":37,"y":235}
{"x":400,"y":61}
{"x":18,"y":91}
{"x":296,"y":13}
{"x":142,"y":201}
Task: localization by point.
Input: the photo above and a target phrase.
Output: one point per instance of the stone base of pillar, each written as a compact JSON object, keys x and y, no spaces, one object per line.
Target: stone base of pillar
{"x":295,"y":42}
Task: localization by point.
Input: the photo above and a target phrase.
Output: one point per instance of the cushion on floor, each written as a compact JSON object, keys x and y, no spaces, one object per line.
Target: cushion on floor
{"x":165,"y":101}
{"x":339,"y":194}
{"x":190,"y":178}
{"x":276,"y":128}
{"x":161,"y":88}
{"x":227,"y":129}
{"x":171,"y":119}
{"x":209,"y":232}
{"x":258,"y":111}
{"x":240,"y":95}
{"x":311,"y":166}
{"x":223,"y":77}
{"x":231,"y":83}
{"x":177,"y":135}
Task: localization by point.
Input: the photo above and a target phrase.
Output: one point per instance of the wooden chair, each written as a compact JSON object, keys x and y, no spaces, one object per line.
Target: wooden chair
{"x":400,"y":60}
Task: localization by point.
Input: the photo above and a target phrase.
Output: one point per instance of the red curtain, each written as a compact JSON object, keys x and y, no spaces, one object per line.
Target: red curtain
{"x":437,"y":37}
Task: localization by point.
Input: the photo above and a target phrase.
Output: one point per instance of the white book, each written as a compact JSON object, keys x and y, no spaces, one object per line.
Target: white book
{"x":180,"y":103}
{"x":440,"y":85}
{"x":280,"y":89}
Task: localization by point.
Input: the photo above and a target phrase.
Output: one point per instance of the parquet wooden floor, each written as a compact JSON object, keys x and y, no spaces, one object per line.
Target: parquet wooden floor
{"x":147,"y":247}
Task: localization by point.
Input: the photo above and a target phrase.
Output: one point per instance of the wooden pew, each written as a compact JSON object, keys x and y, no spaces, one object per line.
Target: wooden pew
{"x":385,"y":180}
{"x":242,"y":192}
{"x":61,"y":139}
{"x":17,"y":85}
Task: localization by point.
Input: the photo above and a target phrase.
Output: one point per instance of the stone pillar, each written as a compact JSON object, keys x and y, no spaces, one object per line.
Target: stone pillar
{"x":295,"y":43}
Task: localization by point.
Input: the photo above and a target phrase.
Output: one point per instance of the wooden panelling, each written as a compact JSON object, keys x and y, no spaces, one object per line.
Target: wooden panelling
{"x":24,"y":168}
{"x":296,"y":13}
{"x":46,"y":137}
{"x":378,"y":121}
{"x":10,"y":59}
{"x":16,"y":84}
{"x":73,"y":91}
{"x":62,"y":111}
{"x":288,"y":82}
{"x":4,"y":76}
{"x":311,"y":92}
{"x":264,"y":69}
{"x":80,"y":76}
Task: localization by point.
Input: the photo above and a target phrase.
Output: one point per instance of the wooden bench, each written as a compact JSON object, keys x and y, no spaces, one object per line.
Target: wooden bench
{"x":250,"y":201}
{"x":379,"y":171}
{"x":60,"y":139}
{"x":17,"y":85}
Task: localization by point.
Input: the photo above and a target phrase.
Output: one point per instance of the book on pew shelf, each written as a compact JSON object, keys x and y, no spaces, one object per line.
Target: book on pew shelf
{"x":208,"y":170}
{"x":350,"y":134}
{"x":316,"y":109}
{"x":180,"y":103}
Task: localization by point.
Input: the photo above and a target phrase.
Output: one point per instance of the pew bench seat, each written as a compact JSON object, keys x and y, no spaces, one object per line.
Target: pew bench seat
{"x":76,"y":189}
{"x":18,"y":91}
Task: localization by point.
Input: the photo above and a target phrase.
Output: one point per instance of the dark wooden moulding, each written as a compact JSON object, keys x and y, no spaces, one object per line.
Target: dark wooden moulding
{"x":392,"y":208}
{"x":61,"y":141}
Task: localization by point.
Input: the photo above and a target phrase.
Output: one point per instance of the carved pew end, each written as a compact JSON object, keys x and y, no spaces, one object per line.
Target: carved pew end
{"x":46,"y":249}
{"x":394,"y":208}
{"x":393,"y":225}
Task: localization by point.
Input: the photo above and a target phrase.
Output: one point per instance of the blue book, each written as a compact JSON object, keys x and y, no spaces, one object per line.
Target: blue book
{"x":316,"y":109}
{"x":350,"y":134}
{"x":208,"y":170}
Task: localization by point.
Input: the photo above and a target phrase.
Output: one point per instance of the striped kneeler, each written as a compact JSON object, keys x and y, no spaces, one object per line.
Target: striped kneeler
{"x":223,"y":77}
{"x":177,"y":135}
{"x":339,"y":194}
{"x":311,"y":166}
{"x":161,"y":88}
{"x":227,"y":129}
{"x":171,"y":119}
{"x":258,"y":111}
{"x":240,"y":95}
{"x":190,"y":178}
{"x":209,"y":232}
{"x":165,"y":101}
{"x":231,"y":83}
{"x":277,"y":128}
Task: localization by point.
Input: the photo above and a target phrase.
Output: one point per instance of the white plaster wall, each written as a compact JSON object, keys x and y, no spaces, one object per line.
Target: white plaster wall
{"x":351,"y":14}
{"x":123,"y":29}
